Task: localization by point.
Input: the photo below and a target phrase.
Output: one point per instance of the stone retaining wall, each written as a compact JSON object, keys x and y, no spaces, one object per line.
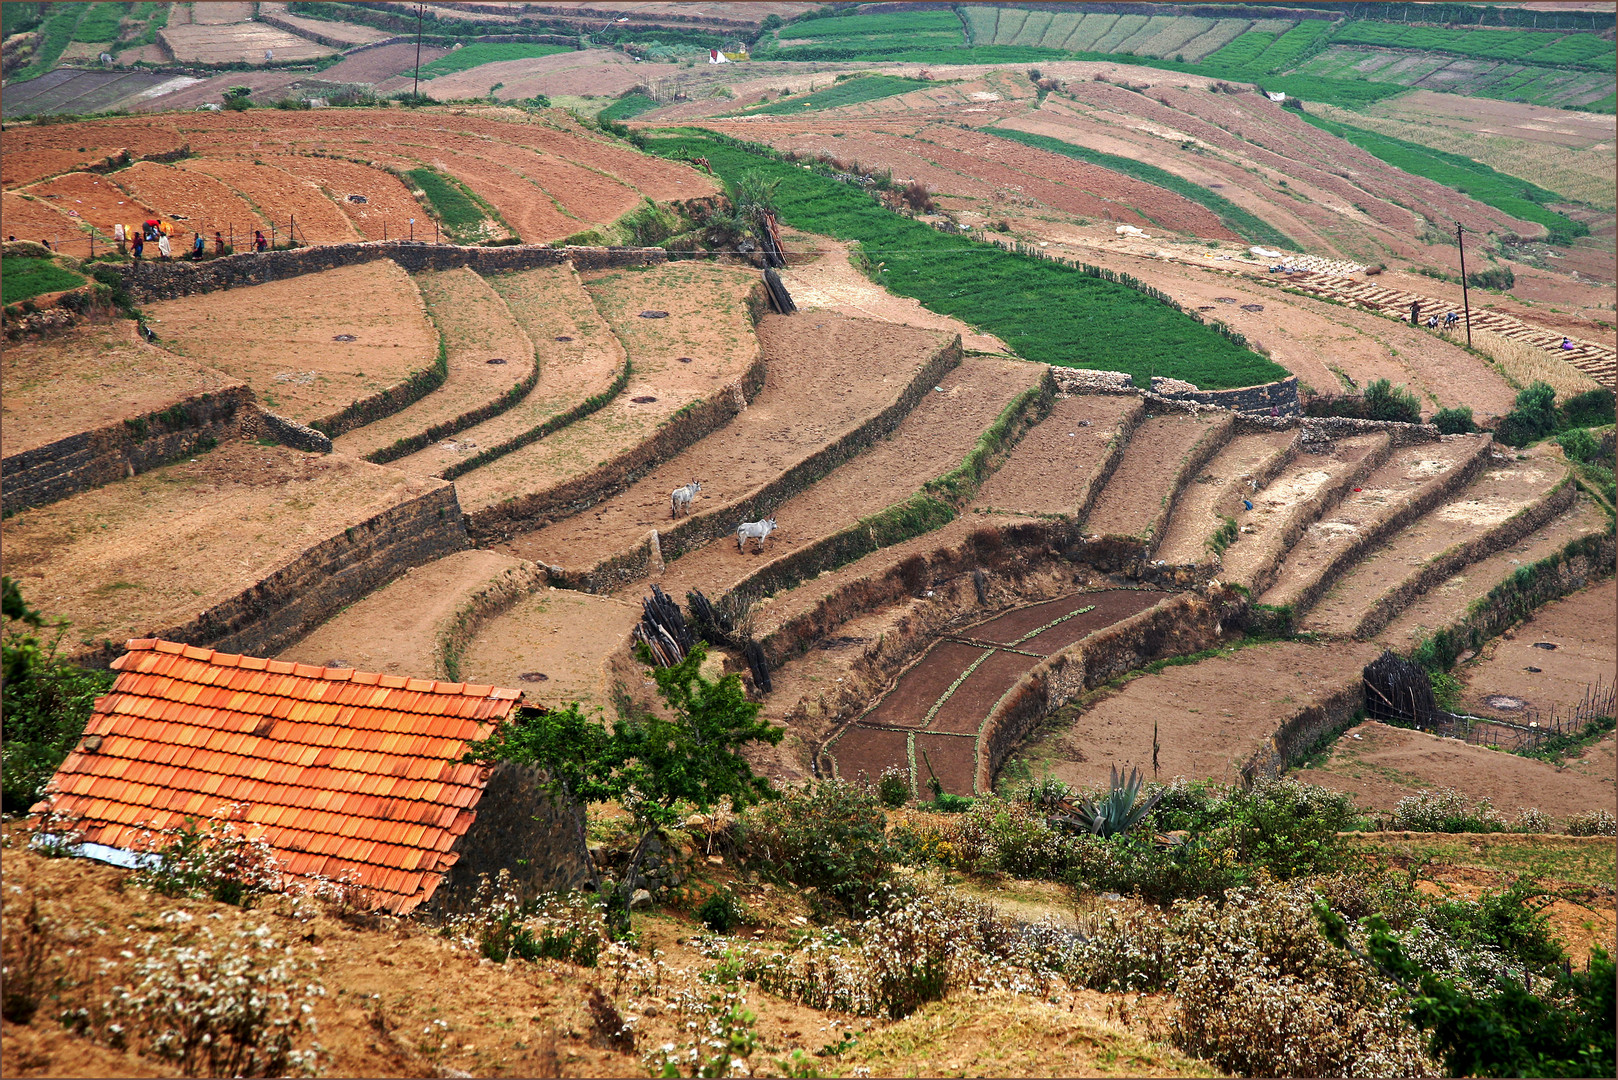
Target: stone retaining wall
{"x":1281,"y":396}
{"x":286,"y":603}
{"x":100,"y":456}
{"x":1304,"y":729}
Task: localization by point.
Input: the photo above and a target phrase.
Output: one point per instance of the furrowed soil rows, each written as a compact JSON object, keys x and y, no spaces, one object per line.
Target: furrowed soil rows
{"x":1286,"y":506}
{"x":1504,"y":489}
{"x":205,"y":203}
{"x":396,"y":629}
{"x":97,"y":200}
{"x":1386,"y":764}
{"x":477,"y":330}
{"x":557,"y":645}
{"x":1142,"y":484}
{"x":946,"y":695}
{"x":1446,"y":604}
{"x":282,"y":198}
{"x":707,"y":321}
{"x":154,"y":551}
{"x":87,"y":377}
{"x":939,"y":432}
{"x":1211,"y":716}
{"x":825,"y":378}
{"x":280,"y":338}
{"x":1413,"y":474}
{"x":579,"y":359}
{"x":1218,"y":492}
{"x":239,"y":43}
{"x":1057,"y":462}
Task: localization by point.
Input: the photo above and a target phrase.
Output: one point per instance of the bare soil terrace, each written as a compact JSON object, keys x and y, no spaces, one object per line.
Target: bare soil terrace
{"x":204,"y":203}
{"x":1142,"y":485}
{"x":285,"y":348}
{"x":1516,"y":665}
{"x":1058,"y":460}
{"x":295,"y":207}
{"x":94,"y":200}
{"x":87,"y":377}
{"x":1217,"y":493}
{"x":151,"y":552}
{"x":557,"y":645}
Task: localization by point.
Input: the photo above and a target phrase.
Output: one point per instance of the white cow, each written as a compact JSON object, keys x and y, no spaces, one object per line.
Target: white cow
{"x":754,"y":530}
{"x":681,"y":497}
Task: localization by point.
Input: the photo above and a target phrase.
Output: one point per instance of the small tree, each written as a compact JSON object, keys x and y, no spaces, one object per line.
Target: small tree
{"x":1384,"y":401}
{"x":753,"y":195}
{"x":236,"y":98}
{"x":647,"y":763}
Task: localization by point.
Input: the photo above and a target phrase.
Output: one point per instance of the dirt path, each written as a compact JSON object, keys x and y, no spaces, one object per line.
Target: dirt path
{"x":395,"y":629}
{"x":1412,"y":474}
{"x":1052,"y":468}
{"x":1516,"y":667}
{"x":1211,"y":716}
{"x":151,"y":552}
{"x":827,"y":375}
{"x":1216,"y":493}
{"x":282,"y":338}
{"x":943,"y":427}
{"x":1446,"y":604}
{"x":489,"y":358}
{"x":707,"y":321}
{"x":555,"y":645}
{"x":579,"y":358}
{"x":89,"y":376}
{"x":1385,"y":764}
{"x":830,"y":282}
{"x":1503,"y":489}
{"x":1142,"y":485}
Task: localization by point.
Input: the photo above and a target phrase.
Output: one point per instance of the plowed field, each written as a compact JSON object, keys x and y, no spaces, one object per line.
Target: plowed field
{"x":205,"y":204}
{"x":97,"y":200}
{"x":297,"y":203}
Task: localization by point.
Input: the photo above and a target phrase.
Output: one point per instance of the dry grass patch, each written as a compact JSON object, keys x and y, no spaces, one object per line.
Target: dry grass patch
{"x":1523,"y":364}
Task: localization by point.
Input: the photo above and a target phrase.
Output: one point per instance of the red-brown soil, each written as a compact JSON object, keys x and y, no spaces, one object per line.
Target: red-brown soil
{"x":550,"y":305}
{"x":29,"y":220}
{"x":388,"y":205}
{"x":476,"y":328}
{"x":1503,"y":489}
{"x":600,"y":72}
{"x":1053,"y":465}
{"x":1581,"y":626}
{"x":87,"y":377}
{"x":34,"y":152}
{"x":295,"y":202}
{"x":1446,"y":604}
{"x":1385,"y":764}
{"x":205,"y":203}
{"x":396,"y":629}
{"x":945,"y":696}
{"x":375,"y":65}
{"x":568,"y":637}
{"x":1211,"y":716}
{"x":1217,"y":493}
{"x":937,"y":434}
{"x":826,"y":375}
{"x":241,"y":42}
{"x":151,"y":552}
{"x":96,"y":200}
{"x":279,"y":338}
{"x":1410,"y":474}
{"x":707,"y":321}
{"x":1141,"y":485}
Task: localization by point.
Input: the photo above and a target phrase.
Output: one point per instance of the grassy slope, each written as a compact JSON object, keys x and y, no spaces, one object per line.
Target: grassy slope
{"x":22,"y":277}
{"x":1046,"y":311}
{"x":486,"y":52}
{"x":853,"y":91}
{"x":1241,"y":222}
{"x":463,"y":219}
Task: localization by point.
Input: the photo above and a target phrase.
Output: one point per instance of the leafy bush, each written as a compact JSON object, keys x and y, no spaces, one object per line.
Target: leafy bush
{"x":1455,"y":421}
{"x":1511,"y":921}
{"x":1445,"y":811}
{"x":1577,"y":444}
{"x":1495,"y":277}
{"x":498,"y":925}
{"x":893,"y":787}
{"x":829,"y":836}
{"x":1592,"y":408}
{"x":215,"y":859}
{"x":1534,"y":416}
{"x":46,"y":703}
{"x":1384,"y":401}
{"x":721,"y":911}
{"x":1592,"y":823}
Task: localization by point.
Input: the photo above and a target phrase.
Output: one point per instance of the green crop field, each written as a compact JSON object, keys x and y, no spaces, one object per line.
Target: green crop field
{"x":1541,"y":48}
{"x":1244,"y":224}
{"x":462,"y":217}
{"x":55,"y":34}
{"x":867,"y":88}
{"x":627,"y":106}
{"x":22,"y":277}
{"x":1519,"y":198}
{"x":1047,"y":311}
{"x":486,"y":52}
{"x":100,"y":24}
{"x":900,"y":30}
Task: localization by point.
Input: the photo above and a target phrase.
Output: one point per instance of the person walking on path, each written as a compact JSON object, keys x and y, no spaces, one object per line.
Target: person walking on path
{"x":118,"y":236}
{"x":198,"y":246}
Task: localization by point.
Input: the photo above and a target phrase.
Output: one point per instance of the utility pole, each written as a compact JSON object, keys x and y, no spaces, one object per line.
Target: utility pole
{"x":415,"y":89}
{"x":1465,"y":302}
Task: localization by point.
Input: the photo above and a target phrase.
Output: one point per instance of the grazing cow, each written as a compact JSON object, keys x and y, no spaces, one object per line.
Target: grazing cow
{"x":754,"y":530}
{"x":680,"y":498}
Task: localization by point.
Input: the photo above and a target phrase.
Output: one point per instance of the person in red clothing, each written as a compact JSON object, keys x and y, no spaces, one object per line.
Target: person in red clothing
{"x":259,"y":243}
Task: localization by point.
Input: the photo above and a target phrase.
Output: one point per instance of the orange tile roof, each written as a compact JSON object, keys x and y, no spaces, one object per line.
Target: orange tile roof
{"x":339,"y":768}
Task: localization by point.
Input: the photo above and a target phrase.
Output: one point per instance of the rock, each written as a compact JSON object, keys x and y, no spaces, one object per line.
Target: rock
{"x":639,"y":899}
{"x":717,"y":860}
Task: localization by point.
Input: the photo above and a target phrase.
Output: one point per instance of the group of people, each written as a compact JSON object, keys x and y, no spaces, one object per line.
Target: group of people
{"x":1448,"y":320}
{"x":134,"y":238}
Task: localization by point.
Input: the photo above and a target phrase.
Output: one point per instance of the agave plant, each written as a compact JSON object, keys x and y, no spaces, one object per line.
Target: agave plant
{"x":1114,"y":815}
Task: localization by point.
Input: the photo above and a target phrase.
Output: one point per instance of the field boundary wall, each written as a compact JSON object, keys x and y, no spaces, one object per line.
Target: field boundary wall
{"x":693,"y":421}
{"x":1181,"y":624}
{"x":1202,"y":452}
{"x":1304,"y":729}
{"x":499,"y":595}
{"x":285,"y":604}
{"x":703,"y":528}
{"x":1109,"y":465}
{"x":89,"y":459}
{"x":1280,"y":395}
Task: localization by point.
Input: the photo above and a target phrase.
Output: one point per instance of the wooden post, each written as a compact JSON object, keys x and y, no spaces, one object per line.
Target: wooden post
{"x":1465,"y":302}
